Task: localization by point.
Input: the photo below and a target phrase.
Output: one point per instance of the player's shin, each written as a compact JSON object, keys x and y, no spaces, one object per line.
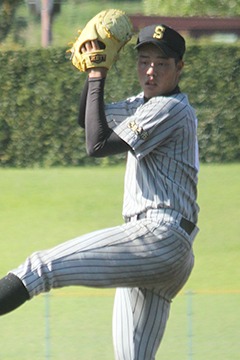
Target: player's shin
{"x":12,"y":293}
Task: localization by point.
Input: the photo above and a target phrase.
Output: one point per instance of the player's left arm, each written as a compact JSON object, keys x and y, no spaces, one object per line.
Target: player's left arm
{"x":94,"y":52}
{"x":100,"y":139}
{"x":82,"y":106}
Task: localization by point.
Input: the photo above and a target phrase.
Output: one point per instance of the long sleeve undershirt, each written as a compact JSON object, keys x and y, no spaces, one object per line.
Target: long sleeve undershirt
{"x":100,"y":139}
{"x":82,"y":105}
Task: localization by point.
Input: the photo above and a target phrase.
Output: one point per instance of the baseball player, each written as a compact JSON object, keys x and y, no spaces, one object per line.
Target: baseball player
{"x":149,"y":257}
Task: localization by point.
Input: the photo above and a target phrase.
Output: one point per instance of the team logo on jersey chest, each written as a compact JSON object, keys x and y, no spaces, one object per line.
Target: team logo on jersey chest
{"x":143,"y":134}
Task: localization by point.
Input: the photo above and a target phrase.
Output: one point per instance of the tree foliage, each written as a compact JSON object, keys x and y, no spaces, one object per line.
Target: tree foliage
{"x":8,"y":20}
{"x":192,"y":7}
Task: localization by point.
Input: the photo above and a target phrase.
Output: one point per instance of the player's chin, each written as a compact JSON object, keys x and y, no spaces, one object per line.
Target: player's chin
{"x":151,"y":90}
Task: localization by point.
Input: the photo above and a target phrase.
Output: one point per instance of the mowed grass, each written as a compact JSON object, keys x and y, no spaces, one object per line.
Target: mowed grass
{"x":43,"y":207}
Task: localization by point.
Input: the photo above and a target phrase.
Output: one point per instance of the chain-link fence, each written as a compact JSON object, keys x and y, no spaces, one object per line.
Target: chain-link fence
{"x":74,"y":325}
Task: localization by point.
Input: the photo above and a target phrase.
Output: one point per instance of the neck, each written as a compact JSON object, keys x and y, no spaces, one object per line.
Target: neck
{"x":176,"y":90}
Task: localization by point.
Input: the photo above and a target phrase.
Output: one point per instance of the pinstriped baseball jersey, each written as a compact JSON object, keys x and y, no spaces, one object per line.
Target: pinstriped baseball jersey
{"x":162,"y":169}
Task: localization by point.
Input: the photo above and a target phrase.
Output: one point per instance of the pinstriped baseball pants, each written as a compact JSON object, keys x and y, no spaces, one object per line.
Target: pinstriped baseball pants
{"x":147,"y":261}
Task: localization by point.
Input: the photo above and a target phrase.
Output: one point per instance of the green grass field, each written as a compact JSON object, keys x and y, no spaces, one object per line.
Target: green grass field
{"x":43,"y":207}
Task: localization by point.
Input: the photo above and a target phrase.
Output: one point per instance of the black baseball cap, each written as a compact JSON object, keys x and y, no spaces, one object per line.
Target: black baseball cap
{"x":166,"y":38}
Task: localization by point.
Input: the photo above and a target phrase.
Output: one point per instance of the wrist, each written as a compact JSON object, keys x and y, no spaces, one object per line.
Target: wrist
{"x":97,"y":72}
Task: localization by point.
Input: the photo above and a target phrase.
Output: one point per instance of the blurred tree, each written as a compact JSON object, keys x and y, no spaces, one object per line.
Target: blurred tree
{"x":45,"y":10}
{"x":35,"y":7}
{"x":192,"y":7}
{"x":8,"y":20}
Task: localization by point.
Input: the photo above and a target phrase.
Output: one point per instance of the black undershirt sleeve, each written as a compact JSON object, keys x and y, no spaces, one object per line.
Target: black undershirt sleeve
{"x":100,"y":139}
{"x":82,"y":105}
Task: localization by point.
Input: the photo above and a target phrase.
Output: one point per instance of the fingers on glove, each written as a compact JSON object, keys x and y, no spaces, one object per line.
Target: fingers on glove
{"x":92,"y":45}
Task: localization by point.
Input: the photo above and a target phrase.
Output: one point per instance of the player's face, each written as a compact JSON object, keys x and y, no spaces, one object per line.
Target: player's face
{"x":158,"y":75}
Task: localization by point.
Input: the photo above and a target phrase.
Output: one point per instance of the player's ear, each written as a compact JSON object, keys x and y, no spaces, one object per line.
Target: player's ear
{"x":180,"y":65}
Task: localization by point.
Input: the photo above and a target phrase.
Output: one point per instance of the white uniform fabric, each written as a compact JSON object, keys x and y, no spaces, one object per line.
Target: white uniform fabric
{"x":162,"y":171}
{"x":148,"y":260}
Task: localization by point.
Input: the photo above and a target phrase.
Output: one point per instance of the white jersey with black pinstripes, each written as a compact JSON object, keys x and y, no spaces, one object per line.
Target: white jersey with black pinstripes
{"x":162,"y":169}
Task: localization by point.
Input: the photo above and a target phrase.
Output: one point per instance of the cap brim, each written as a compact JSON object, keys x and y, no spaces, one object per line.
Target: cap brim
{"x":166,"y":50}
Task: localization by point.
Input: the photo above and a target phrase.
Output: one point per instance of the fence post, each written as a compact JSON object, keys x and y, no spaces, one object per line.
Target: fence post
{"x":189,"y":295}
{"x":47,"y":327}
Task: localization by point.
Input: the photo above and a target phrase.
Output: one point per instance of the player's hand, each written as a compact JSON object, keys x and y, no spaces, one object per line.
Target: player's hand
{"x":92,"y":46}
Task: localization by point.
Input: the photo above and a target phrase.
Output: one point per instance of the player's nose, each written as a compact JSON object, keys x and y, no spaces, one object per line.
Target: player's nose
{"x":151,"y":70}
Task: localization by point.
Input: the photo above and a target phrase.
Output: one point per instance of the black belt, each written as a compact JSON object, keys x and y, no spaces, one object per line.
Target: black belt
{"x":185,"y":224}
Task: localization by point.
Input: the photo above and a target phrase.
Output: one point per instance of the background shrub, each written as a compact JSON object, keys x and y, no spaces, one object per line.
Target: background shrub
{"x":39,"y":103}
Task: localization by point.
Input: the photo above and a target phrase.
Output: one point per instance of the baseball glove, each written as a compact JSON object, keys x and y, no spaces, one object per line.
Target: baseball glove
{"x":112,"y":29}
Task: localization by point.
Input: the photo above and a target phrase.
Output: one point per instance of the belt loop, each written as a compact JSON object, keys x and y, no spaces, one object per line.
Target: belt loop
{"x":187,"y":225}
